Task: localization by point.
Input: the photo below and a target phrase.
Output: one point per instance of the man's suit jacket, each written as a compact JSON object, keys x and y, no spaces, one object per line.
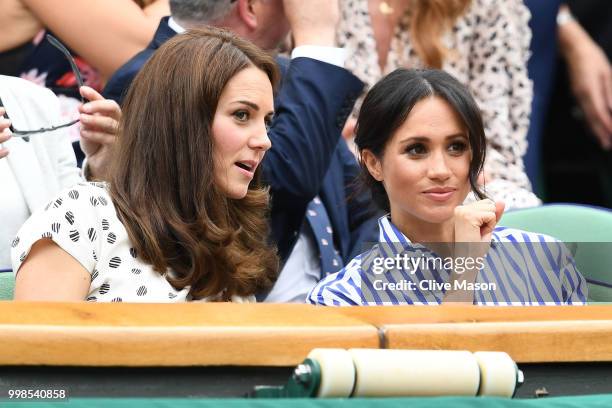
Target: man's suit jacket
{"x":307,"y":157}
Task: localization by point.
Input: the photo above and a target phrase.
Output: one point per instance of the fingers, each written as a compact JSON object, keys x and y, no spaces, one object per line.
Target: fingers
{"x":4,"y":125}
{"x":100,"y":138}
{"x":5,"y":135}
{"x":481,"y":216}
{"x":312,"y":22}
{"x":500,"y":206}
{"x":607,"y":90}
{"x":98,"y":123}
{"x":598,"y":116}
{"x":98,"y":104}
{"x":90,"y":94}
{"x":607,"y":80}
{"x":104,"y":107}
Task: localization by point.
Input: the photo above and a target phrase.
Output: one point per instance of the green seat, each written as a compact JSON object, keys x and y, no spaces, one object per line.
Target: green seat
{"x":7,"y":285}
{"x":587,"y":231}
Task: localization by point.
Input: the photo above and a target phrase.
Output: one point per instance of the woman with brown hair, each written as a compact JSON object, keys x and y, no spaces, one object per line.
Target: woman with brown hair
{"x":483,"y":43}
{"x":184,"y":215}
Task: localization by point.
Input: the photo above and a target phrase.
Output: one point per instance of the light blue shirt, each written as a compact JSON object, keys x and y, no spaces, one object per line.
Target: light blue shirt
{"x":520,"y":268}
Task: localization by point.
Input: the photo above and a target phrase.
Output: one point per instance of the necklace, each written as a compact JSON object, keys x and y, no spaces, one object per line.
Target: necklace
{"x":385,"y":8}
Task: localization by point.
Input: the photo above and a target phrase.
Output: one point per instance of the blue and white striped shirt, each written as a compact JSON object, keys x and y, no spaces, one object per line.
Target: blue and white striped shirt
{"x":520,"y":268}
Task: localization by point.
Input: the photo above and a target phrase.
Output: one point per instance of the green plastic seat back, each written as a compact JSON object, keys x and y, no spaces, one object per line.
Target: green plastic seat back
{"x":7,"y":285}
{"x":587,"y":231}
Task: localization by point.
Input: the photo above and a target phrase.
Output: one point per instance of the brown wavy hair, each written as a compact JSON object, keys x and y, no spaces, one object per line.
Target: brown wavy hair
{"x":430,"y":19}
{"x":162,"y":176}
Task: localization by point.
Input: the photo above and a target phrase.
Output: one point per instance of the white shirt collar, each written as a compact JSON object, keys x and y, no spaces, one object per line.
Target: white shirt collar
{"x":175,"y":26}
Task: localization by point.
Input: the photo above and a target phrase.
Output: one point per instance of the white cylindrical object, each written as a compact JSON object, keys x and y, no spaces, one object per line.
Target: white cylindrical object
{"x":414,"y":372}
{"x":337,"y":372}
{"x":498,"y":374}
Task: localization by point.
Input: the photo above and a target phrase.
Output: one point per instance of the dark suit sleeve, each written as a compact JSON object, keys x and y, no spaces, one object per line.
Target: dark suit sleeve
{"x":116,"y":88}
{"x":313,"y":103}
{"x":362,"y":213}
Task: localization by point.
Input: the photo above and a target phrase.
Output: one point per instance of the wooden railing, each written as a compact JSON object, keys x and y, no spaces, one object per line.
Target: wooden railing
{"x":194,"y":334}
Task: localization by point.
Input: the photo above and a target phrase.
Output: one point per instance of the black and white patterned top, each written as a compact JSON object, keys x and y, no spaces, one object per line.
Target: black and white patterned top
{"x":489,"y":48}
{"x":83,"y":222}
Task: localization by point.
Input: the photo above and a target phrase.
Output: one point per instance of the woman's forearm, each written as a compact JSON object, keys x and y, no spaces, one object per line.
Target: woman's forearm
{"x":106,"y":33}
{"x":18,"y":24}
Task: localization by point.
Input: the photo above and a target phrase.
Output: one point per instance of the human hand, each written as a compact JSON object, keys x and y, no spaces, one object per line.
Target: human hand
{"x":5,"y":133}
{"x":474,"y":225}
{"x":99,"y":126}
{"x":590,"y":76}
{"x":591,"y":79}
{"x":475,"y":222}
{"x":313,"y":22}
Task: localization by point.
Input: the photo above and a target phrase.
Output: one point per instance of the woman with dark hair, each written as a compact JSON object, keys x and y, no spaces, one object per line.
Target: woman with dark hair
{"x":482,"y":43}
{"x":184,"y":216}
{"x":422,"y":145}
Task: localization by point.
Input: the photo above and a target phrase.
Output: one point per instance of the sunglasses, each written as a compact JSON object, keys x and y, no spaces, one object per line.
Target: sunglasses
{"x":26,"y":133}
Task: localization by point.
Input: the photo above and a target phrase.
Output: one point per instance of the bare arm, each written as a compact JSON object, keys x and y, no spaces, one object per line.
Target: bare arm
{"x":157,"y":9}
{"x":50,"y":274}
{"x":590,"y":75}
{"x":18,"y":24}
{"x":106,"y":33}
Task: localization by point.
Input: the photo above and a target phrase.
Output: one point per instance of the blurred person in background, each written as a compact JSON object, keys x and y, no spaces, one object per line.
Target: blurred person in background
{"x":102,"y":34}
{"x":577,"y":145}
{"x":483,"y":43}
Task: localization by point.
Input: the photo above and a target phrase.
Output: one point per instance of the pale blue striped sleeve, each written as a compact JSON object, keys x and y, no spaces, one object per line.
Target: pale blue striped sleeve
{"x":574,"y":284}
{"x":338,"y":289}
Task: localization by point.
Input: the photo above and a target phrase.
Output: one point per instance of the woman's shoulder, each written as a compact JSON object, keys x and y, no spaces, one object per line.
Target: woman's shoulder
{"x":82,"y":196}
{"x":74,"y":219}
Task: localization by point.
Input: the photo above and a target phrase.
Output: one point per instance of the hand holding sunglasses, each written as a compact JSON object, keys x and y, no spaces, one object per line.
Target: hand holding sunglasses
{"x":26,"y":133}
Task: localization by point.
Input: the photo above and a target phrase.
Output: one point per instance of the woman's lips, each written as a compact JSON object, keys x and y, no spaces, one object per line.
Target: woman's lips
{"x":439,"y":195}
{"x":246,"y":172}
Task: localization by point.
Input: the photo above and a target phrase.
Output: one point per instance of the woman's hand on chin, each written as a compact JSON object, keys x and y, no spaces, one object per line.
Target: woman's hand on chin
{"x":474,"y":225}
{"x":475,"y":222}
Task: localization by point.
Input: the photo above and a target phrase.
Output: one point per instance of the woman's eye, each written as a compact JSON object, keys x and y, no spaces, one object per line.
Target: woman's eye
{"x":416,"y":149}
{"x":457,"y":147}
{"x":241,"y":115}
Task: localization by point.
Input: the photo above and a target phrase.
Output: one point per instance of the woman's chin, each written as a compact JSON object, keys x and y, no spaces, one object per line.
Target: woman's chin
{"x":237,"y":193}
{"x":438,"y":215}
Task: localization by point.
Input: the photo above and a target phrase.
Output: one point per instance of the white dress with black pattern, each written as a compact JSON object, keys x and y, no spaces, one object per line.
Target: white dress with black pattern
{"x":82,"y":221}
{"x":489,"y":51}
